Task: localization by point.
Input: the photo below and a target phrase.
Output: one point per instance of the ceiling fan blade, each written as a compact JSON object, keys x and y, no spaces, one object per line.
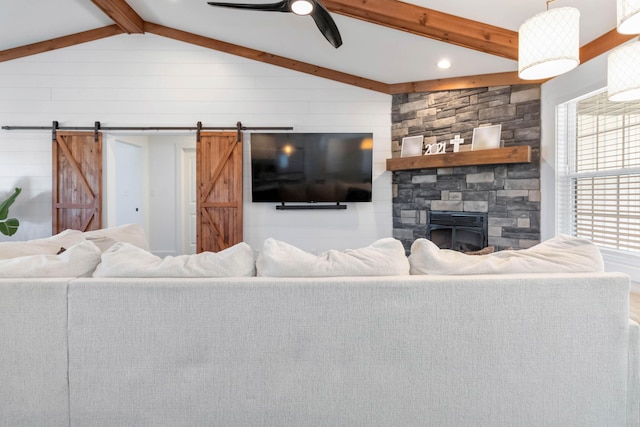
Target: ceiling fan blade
{"x":282,"y":6}
{"x":326,"y":25}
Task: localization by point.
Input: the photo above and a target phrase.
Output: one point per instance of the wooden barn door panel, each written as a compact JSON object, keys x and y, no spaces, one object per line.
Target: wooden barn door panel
{"x":77,"y":181}
{"x":219,"y":180}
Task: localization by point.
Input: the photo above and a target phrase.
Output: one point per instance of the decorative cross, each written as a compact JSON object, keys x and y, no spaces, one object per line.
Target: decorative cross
{"x":456,"y":143}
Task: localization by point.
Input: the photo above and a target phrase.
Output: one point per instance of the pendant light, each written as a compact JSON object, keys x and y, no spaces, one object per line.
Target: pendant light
{"x":549,"y":43}
{"x":628,"y":16}
{"x":623,"y":72}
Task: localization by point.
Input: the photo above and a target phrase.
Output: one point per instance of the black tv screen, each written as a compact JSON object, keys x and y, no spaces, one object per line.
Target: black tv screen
{"x":311,"y":167}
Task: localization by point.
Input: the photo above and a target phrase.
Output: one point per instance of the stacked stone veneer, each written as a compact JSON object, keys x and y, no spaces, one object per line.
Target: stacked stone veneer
{"x":510,"y":194}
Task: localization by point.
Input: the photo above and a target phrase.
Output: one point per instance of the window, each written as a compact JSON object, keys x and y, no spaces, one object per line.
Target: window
{"x":598,"y":154}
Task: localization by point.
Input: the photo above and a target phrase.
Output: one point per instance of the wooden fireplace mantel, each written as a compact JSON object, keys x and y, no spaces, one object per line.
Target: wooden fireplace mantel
{"x":494,"y":156}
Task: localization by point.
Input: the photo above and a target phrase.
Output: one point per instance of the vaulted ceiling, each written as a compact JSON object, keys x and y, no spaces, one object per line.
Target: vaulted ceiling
{"x":389,"y":46}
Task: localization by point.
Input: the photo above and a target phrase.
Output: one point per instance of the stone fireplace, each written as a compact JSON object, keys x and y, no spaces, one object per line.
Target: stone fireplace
{"x":509,"y":195}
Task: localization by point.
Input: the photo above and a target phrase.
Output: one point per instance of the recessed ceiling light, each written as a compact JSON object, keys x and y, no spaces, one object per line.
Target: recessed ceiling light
{"x":444,"y":64}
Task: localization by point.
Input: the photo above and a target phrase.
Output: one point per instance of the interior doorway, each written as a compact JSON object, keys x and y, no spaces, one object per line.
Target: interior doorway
{"x":154,"y":180}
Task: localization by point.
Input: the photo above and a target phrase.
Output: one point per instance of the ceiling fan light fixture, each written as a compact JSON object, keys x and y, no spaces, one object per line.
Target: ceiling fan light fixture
{"x":623,"y":73}
{"x":301,"y":7}
{"x":628,"y":16}
{"x":549,"y":43}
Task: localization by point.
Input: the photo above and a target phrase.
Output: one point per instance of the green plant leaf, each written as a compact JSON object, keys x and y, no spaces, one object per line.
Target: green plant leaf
{"x":4,"y":206}
{"x":9,"y":227}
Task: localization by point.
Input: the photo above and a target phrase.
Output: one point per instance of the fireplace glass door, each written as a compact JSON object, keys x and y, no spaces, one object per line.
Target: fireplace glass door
{"x":460,"y":231}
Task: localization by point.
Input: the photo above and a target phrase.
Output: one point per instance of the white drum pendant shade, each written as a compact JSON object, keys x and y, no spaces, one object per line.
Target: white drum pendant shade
{"x":549,"y":44}
{"x":623,"y":72}
{"x":628,"y":16}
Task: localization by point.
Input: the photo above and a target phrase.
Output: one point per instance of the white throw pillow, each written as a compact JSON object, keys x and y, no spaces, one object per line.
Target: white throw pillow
{"x":47,"y":246}
{"x":127,"y":260}
{"x":78,"y":261}
{"x":384,"y":257}
{"x":128,"y":233}
{"x":562,"y":254}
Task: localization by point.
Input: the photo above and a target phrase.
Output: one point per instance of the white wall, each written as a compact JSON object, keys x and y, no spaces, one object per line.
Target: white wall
{"x":147,"y":80}
{"x":318,"y":230}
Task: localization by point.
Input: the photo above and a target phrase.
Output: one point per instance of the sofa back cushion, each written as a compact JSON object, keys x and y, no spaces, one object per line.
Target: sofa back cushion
{"x":78,"y":261}
{"x":103,"y":238}
{"x":128,"y":233}
{"x":46,"y":246}
{"x":384,"y":257}
{"x":350,"y":351}
{"x":562,"y":254}
{"x":127,"y":260}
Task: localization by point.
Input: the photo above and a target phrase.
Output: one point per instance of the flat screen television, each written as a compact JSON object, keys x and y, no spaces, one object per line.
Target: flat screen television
{"x":311,"y":167}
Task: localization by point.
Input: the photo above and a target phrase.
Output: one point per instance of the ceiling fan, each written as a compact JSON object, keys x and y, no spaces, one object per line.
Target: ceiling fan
{"x":318,"y":12}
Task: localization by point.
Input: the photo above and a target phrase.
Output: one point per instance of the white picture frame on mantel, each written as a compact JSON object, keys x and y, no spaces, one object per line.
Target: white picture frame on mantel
{"x":486,"y":137}
{"x":411,"y":146}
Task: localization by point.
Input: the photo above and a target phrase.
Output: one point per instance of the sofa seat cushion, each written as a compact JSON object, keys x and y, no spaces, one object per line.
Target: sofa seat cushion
{"x":562,"y":254}
{"x":46,"y":246}
{"x":127,"y":260}
{"x":384,"y":257}
{"x":78,"y":261}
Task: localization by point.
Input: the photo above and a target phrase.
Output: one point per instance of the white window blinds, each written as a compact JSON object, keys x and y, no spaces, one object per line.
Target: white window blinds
{"x":598,"y":180}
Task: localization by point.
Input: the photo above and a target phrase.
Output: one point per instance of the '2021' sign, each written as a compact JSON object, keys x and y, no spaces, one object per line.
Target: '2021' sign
{"x":441,"y":147}
{"x":437,"y":148}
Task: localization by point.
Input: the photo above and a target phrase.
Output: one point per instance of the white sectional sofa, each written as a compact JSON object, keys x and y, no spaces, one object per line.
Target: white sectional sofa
{"x":547,"y":349}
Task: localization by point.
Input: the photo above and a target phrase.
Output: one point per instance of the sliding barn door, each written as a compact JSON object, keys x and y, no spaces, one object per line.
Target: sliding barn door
{"x":77,"y":181}
{"x":219,"y":181}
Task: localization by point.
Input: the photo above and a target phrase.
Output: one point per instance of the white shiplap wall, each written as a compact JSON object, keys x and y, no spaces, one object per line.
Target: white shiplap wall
{"x":146,"y":80}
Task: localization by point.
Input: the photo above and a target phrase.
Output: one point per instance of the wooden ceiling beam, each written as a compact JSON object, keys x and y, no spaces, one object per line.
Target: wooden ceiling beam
{"x":432,"y":24}
{"x":603,"y":44}
{"x":60,"y":42}
{"x":466,"y":82}
{"x":265,"y":57}
{"x":122,"y":14}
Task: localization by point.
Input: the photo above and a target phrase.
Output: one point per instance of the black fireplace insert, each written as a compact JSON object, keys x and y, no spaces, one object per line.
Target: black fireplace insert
{"x":460,"y":231}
